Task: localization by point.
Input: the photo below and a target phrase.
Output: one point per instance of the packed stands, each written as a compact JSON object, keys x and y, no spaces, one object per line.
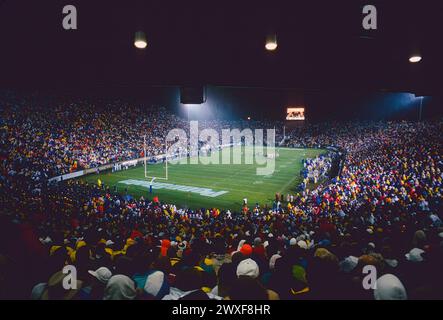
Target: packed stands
{"x":384,"y":209}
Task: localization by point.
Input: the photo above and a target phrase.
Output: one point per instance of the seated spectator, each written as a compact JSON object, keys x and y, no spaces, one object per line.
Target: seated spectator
{"x":97,"y":284}
{"x":120,"y":287}
{"x":54,"y":290}
{"x":389,"y":287}
{"x":153,"y":285}
{"x":248,"y":288}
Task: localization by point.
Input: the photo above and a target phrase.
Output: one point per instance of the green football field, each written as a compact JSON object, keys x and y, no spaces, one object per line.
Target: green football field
{"x":222,"y":186}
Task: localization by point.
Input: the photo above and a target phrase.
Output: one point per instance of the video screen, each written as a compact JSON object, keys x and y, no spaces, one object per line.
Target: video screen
{"x":294,"y":114}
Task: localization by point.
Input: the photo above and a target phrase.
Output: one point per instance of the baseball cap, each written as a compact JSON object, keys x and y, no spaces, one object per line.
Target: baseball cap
{"x":248,"y":268}
{"x":102,"y":274}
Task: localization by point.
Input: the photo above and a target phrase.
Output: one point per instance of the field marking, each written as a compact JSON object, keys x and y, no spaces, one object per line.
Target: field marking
{"x":288,"y":183}
{"x":231,"y":189}
{"x":228,"y":177}
{"x":205,"y":192}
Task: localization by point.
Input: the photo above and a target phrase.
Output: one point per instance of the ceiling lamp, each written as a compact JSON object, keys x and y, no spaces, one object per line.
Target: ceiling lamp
{"x":140,"y":40}
{"x":271,"y":42}
{"x":415,"y":59}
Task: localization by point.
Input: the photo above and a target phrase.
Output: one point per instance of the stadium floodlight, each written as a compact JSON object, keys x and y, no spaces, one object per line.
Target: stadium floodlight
{"x":140,"y":40}
{"x":271,"y":42}
{"x":415,"y":59}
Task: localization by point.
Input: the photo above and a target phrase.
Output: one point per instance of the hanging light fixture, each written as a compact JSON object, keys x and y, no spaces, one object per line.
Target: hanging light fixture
{"x":415,"y":58}
{"x":271,"y":42}
{"x":140,"y":40}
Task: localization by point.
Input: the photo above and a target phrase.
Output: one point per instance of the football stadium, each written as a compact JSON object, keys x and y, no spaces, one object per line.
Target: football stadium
{"x":175,"y":151}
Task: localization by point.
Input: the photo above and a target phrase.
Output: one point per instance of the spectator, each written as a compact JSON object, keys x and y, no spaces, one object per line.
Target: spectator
{"x":120,"y":287}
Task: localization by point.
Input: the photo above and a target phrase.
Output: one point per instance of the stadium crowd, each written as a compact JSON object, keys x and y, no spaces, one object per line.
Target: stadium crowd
{"x":384,"y":209}
{"x":82,"y":134}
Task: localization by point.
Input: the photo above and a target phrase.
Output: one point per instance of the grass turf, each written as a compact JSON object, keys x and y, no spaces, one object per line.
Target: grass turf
{"x":239,"y":180}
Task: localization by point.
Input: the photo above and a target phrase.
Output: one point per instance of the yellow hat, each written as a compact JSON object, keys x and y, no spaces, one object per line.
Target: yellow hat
{"x":53,"y":249}
{"x":80,"y":244}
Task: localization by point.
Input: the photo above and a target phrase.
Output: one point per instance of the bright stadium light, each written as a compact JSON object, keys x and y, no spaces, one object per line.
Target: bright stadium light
{"x":271,"y":42}
{"x":188,"y":107}
{"x":415,"y":59}
{"x":140,"y":40}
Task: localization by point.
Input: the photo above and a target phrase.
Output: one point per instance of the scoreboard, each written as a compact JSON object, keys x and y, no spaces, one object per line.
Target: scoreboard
{"x":295,"y":114}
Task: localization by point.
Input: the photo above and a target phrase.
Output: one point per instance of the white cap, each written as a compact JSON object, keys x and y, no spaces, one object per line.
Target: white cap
{"x":415,"y":255}
{"x":389,"y":287}
{"x":302,"y":244}
{"x":349,"y":264}
{"x":109,"y":243}
{"x":154,"y":283}
{"x":46,"y":240}
{"x":272,"y":261}
{"x":102,"y":274}
{"x":248,"y":268}
{"x":292,"y":242}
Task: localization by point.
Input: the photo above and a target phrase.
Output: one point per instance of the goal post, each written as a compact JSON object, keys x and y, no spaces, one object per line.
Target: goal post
{"x":145,"y":164}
